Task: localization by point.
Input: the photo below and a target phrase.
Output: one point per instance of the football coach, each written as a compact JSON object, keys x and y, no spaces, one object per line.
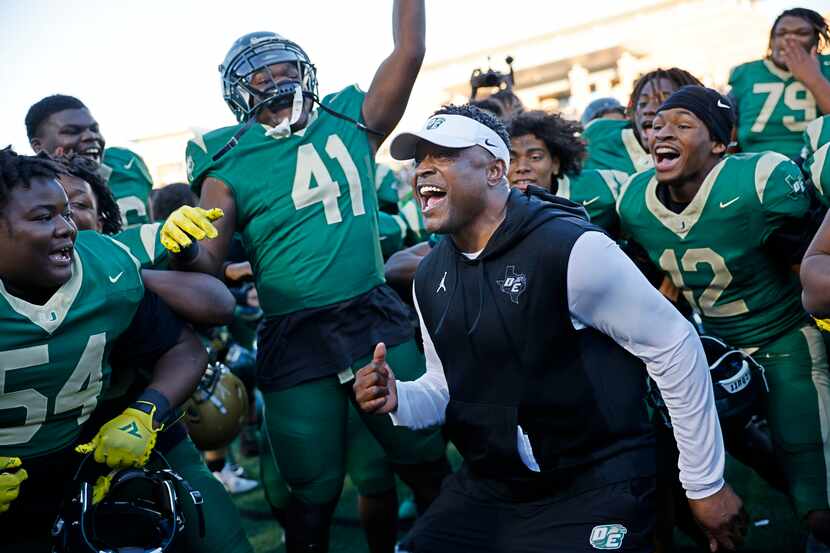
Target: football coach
{"x":537,"y":330}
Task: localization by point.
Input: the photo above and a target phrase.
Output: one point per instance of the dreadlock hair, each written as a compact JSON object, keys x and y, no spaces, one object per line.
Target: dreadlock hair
{"x":676,"y":75}
{"x":17,"y":170}
{"x":679,"y":77}
{"x":560,"y":135}
{"x":87,"y":170}
{"x":45,"y":108}
{"x":816,"y":21}
{"x":484,"y":117}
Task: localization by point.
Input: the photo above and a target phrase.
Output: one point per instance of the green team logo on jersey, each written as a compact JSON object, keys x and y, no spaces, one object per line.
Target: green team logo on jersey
{"x":796,"y":184}
{"x":607,"y":536}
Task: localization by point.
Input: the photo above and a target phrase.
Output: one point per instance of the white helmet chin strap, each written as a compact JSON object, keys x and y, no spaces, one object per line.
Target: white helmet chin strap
{"x":283,"y":129}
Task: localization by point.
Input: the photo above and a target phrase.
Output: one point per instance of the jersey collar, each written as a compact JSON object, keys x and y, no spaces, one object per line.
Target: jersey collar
{"x":777,"y":71}
{"x":682,"y":223}
{"x":51,"y":314}
{"x":640,"y":158}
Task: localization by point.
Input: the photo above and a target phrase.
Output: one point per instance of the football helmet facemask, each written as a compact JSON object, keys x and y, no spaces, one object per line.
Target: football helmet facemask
{"x":255,"y":52}
{"x":216,"y":411}
{"x":140,"y":513}
{"x":737,"y":379}
{"x":738,"y":382}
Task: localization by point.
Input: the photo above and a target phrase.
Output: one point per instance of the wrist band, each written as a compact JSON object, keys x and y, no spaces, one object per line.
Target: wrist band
{"x":151,"y":400}
{"x":188,"y":254}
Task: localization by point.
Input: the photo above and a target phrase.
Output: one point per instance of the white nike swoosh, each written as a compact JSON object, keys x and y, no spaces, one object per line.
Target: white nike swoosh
{"x":116,"y":278}
{"x":130,"y":164}
{"x":722,"y":105}
{"x":730,"y":202}
{"x":586,"y":203}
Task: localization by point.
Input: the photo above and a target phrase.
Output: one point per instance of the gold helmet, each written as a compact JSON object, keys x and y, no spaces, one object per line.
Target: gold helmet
{"x":218,"y":408}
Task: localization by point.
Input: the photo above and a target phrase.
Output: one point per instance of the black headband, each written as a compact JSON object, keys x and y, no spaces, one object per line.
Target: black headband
{"x":711,"y":107}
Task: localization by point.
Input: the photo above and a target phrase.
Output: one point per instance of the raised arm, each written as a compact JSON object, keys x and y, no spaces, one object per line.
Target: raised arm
{"x":389,"y":92}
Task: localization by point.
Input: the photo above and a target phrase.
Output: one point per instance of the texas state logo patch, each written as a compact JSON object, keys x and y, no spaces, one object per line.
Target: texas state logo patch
{"x":513,"y":284}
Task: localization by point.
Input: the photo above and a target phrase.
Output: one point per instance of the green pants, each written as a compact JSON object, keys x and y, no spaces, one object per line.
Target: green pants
{"x":223,"y":527}
{"x":307,"y":427}
{"x":799,"y":413}
{"x":366,"y":464}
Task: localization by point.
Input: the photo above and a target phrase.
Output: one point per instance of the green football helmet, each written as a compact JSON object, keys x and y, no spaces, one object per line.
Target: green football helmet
{"x":250,"y":54}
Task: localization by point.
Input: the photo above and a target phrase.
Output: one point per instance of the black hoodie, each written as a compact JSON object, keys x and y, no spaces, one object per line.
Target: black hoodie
{"x":501,"y":326}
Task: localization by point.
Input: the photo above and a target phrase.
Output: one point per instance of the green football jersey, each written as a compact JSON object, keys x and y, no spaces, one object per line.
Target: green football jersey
{"x":130,"y":182}
{"x":817,"y":160}
{"x":613,"y":146}
{"x":392,"y":231}
{"x":386,"y":185}
{"x":714,"y":249}
{"x":306,"y":206}
{"x":596,"y":191}
{"x":144,"y":242}
{"x":773,"y":107}
{"x":54,"y":358}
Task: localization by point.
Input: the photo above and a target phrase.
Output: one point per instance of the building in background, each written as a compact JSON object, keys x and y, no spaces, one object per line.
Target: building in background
{"x":564,"y":70}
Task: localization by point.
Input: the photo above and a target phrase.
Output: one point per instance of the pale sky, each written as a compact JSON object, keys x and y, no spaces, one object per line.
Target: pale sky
{"x":150,"y":67}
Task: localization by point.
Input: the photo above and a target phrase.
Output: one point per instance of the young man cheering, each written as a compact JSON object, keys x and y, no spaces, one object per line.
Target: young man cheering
{"x":728,"y":230}
{"x":535,"y":365}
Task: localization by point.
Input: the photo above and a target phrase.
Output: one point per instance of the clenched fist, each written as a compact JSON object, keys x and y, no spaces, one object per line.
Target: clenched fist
{"x":374,"y":385}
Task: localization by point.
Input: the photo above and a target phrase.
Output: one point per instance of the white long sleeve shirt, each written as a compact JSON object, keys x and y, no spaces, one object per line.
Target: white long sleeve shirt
{"x":607,"y":292}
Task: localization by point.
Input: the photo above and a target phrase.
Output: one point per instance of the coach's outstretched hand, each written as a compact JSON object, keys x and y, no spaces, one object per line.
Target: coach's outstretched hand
{"x":374,"y":385}
{"x":187,"y":223}
{"x":722,"y":517}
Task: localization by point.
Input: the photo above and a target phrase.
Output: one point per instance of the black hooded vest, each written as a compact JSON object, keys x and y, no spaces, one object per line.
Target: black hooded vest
{"x":502,"y":329}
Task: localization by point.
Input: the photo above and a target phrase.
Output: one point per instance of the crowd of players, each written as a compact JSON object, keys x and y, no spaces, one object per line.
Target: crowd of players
{"x":291,"y":240}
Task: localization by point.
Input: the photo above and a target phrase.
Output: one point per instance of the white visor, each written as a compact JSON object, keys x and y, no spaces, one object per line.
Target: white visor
{"x":451,"y":131}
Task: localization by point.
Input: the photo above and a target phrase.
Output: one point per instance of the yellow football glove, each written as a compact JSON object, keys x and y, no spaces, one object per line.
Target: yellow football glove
{"x":10,"y":481}
{"x":125,"y":441}
{"x":102,"y":486}
{"x":188,"y":222}
{"x":823,"y":324}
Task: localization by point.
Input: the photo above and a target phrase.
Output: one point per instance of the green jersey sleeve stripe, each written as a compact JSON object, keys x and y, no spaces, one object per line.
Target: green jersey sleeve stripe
{"x":814,"y":132}
{"x":148,"y":239}
{"x":764,"y":168}
{"x":817,"y":167}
